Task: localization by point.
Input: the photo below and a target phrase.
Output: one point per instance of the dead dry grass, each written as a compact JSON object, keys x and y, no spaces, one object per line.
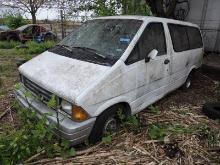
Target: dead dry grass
{"x":135,"y":147}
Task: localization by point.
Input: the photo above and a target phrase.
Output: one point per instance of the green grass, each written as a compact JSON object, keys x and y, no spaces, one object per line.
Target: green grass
{"x":35,"y":48}
{"x":10,"y":57}
{"x":8,"y":45}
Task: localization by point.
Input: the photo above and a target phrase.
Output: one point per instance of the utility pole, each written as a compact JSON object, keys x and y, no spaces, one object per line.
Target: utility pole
{"x":62,"y":19}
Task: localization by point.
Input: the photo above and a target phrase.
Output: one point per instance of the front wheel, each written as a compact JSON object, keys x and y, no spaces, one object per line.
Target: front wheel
{"x":105,"y":124}
{"x":11,"y":38}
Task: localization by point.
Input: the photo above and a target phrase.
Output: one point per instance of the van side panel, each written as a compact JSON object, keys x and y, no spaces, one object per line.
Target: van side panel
{"x":183,"y":62}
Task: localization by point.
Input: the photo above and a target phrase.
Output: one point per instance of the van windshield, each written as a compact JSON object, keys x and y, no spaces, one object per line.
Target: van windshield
{"x":109,"y":38}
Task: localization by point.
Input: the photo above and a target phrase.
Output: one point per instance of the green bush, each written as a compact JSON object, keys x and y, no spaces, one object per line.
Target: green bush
{"x":32,"y":136}
{"x":8,"y":45}
{"x":36,"y":48}
{"x":14,"y":21}
{"x":158,"y":131}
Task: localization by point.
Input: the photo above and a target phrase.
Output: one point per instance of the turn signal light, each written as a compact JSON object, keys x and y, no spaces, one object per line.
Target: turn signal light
{"x":79,"y":114}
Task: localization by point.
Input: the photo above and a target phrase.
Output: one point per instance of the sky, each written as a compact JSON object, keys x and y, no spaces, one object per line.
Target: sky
{"x":42,"y":14}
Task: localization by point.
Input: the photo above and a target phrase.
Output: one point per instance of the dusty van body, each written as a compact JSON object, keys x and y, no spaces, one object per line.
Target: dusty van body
{"x":149,"y":57}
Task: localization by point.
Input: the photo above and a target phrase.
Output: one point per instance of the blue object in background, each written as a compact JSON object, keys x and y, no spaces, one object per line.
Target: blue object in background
{"x":38,"y":39}
{"x":125,"y":40}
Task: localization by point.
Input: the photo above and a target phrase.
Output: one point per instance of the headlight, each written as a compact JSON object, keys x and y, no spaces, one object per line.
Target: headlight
{"x":77,"y":113}
{"x":66,"y":106}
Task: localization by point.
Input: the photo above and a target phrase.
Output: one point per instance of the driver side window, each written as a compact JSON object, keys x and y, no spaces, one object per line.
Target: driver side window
{"x":153,"y":37}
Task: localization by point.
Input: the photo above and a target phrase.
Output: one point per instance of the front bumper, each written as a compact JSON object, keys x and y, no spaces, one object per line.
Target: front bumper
{"x":74,"y":132}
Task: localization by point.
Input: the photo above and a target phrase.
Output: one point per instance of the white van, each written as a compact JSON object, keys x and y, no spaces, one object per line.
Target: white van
{"x":126,"y":62}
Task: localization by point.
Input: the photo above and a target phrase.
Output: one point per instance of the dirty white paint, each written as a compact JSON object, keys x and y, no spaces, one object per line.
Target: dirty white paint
{"x":61,"y":75}
{"x":95,"y":87}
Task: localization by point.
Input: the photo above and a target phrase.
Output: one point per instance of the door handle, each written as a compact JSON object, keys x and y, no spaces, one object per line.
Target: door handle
{"x":166,"y":61}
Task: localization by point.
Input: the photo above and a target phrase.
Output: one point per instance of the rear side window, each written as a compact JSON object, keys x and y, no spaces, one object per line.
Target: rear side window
{"x":179,"y":37}
{"x":153,"y":38}
{"x":195,"y":39}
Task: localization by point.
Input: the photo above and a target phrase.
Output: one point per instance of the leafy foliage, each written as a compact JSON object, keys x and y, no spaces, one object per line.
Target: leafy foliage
{"x":107,"y":139}
{"x":31,"y":137}
{"x":106,"y":8}
{"x":154,"y":110}
{"x":14,"y":21}
{"x":129,"y":122}
{"x":52,"y":102}
{"x":135,"y":7}
{"x":204,"y":132}
{"x":116,"y":7}
{"x":159,"y":131}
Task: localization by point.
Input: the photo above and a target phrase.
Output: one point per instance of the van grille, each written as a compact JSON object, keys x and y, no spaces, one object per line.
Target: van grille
{"x":43,"y":94}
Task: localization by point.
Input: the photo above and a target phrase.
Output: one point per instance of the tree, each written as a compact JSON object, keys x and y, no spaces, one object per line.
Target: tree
{"x":135,"y":7}
{"x":29,"y":6}
{"x":106,"y":8}
{"x":14,"y":21}
{"x":125,"y":7}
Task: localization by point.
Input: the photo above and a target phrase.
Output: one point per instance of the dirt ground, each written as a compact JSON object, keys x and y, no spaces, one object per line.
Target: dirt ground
{"x":134,"y":146}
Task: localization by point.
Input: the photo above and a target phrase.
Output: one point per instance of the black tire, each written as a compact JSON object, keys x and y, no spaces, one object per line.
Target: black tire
{"x":187,"y":83}
{"x":211,"y":71}
{"x":49,"y":37}
{"x":11,"y":38}
{"x":98,"y":129}
{"x":212,"y":110}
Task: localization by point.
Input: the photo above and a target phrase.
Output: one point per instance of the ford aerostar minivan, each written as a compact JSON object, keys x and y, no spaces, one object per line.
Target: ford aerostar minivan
{"x":106,"y":64}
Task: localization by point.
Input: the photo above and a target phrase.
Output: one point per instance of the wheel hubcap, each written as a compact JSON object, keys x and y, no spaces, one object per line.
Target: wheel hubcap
{"x":110,"y":126}
{"x":188,"y":83}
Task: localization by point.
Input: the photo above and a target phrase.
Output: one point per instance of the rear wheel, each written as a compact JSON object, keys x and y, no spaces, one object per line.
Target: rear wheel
{"x":49,"y":37}
{"x":188,"y":81}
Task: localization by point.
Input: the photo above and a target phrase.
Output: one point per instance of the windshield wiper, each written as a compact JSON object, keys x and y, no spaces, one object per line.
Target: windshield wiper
{"x":66,"y":47}
{"x":90,"y":50}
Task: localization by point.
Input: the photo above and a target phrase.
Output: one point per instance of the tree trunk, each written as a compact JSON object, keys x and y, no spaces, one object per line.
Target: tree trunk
{"x":34,"y":20}
{"x":124,"y":7}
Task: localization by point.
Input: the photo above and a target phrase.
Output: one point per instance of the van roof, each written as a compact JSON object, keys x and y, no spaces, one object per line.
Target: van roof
{"x":149,"y":18}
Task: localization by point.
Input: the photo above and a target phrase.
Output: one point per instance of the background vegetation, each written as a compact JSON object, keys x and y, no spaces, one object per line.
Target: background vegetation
{"x":14,"y":21}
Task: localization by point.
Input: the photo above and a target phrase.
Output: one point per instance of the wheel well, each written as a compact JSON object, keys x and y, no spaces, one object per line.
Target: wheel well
{"x":12,"y":36}
{"x":193,"y":70}
{"x":125,"y":108}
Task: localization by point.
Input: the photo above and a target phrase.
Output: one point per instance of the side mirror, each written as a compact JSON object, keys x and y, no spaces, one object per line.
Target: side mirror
{"x":152,"y":55}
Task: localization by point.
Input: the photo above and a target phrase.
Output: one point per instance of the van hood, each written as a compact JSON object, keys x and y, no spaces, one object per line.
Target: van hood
{"x":63,"y":76}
